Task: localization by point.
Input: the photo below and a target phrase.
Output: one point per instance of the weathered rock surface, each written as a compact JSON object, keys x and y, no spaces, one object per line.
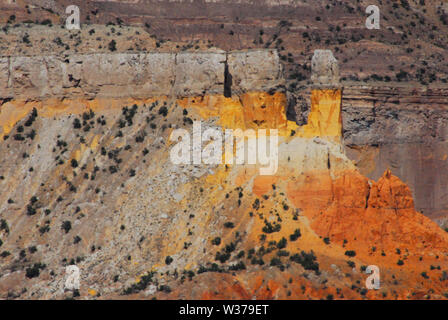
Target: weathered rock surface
{"x":403,"y":129}
{"x":324,"y":69}
{"x":140,"y":75}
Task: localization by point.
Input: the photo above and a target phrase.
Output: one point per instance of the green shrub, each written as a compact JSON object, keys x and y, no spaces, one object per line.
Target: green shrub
{"x":269,"y":228}
{"x":239,"y":266}
{"x":34,"y":271}
{"x":4,"y":225}
{"x":307,"y":260}
{"x":168,"y":260}
{"x":282,"y":243}
{"x":222,"y":257}
{"x":295,"y":235}
{"x":112,"y":45}
{"x":141,"y":285}
{"x":74,"y":163}
{"x":275,"y":262}
{"x":229,"y":225}
{"x":350,"y":253}
{"x":66,"y":226}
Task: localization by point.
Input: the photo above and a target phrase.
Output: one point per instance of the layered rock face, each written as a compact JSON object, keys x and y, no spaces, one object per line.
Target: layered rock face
{"x":138,"y":75}
{"x":403,"y":129}
{"x":90,"y":182}
{"x":325,"y":69}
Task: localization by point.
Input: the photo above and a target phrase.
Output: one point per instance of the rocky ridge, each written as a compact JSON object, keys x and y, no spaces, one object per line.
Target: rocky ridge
{"x":102,"y":75}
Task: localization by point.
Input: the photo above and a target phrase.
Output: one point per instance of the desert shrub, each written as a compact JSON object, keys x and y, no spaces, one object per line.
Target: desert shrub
{"x":44,"y":229}
{"x":168,"y":260}
{"x":32,"y":206}
{"x":165,"y":288}
{"x":31,"y":134}
{"x":31,"y":118}
{"x":4,"y":225}
{"x":66,"y":226}
{"x":26,"y":38}
{"x":222,"y":257}
{"x":258,"y":261}
{"x":230,"y":247}
{"x":282,"y":243}
{"x":229,"y":225}
{"x":46,"y":22}
{"x":240,"y":254}
{"x":295,"y":235}
{"x":34,"y":271}
{"x":163,"y":111}
{"x":275,"y":262}
{"x":141,"y":285}
{"x":283,"y":253}
{"x":402,"y":75}
{"x":74,"y":163}
{"x":350,"y":253}
{"x":307,"y":260}
{"x":76,"y":124}
{"x":18,"y":137}
{"x":239,"y":266}
{"x":113,"y":169}
{"x":269,"y":228}
{"x":112,"y":45}
{"x":256,"y":204}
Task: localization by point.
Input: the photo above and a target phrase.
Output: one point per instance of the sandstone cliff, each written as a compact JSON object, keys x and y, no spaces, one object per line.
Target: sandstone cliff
{"x":138,"y":75}
{"x":89,"y":182}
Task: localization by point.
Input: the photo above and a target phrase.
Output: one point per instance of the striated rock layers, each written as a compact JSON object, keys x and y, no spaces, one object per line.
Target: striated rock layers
{"x":138,"y":75}
{"x":404,"y":129}
{"x":325,"y":69}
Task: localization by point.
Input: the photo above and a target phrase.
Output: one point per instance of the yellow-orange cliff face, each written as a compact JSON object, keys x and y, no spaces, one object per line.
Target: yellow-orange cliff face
{"x":260,"y":110}
{"x":337,"y":210}
{"x":325,"y":116}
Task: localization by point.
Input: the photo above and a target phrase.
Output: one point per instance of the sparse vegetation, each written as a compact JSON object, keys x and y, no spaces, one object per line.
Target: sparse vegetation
{"x":296,"y":235}
{"x":307,"y":260}
{"x":66,"y":226}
